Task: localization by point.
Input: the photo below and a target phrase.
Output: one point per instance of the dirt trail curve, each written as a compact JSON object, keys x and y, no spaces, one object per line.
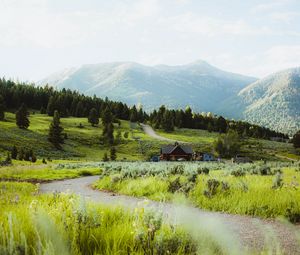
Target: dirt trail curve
{"x":235,"y":233}
{"x":149,"y":131}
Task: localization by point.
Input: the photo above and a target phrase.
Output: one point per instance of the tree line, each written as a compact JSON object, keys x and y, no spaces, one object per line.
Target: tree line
{"x":169,"y":119}
{"x":67,"y":102}
{"x":71,"y":103}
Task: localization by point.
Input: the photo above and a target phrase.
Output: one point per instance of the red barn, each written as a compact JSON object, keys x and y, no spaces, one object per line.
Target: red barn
{"x":176,"y":152}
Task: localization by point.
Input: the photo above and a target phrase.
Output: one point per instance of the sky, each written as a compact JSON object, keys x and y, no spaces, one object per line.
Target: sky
{"x":256,"y":38}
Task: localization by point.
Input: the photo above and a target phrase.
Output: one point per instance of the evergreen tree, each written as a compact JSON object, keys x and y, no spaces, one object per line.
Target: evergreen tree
{"x":107,"y":117}
{"x":109,"y":136}
{"x":188,"y":118}
{"x":8,"y":159}
{"x":79,"y":112}
{"x":43,"y":110}
{"x":93,"y":117}
{"x":2,"y":108}
{"x":105,"y":157}
{"x":296,"y":140}
{"x":56,"y":136}
{"x":27,"y":155}
{"x":22,"y":120}
{"x":221,"y":125}
{"x":228,"y":145}
{"x":14,"y":152}
{"x":108,"y":127}
{"x":21,"y":154}
{"x":133,"y":114}
{"x":113,"y":153}
{"x":167,"y":121}
{"x":51,"y":106}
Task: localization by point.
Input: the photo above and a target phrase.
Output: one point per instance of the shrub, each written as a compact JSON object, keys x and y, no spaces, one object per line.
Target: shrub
{"x":203,"y":170}
{"x":179,"y":169}
{"x":85,"y":173}
{"x":174,"y":185}
{"x":238,"y":172}
{"x":187,"y":187}
{"x":212,"y":186}
{"x":33,"y":158}
{"x":116,"y":179}
{"x":292,"y":216}
{"x":192,"y":178}
{"x":278,"y":181}
{"x":225,"y":186}
{"x":265,"y":170}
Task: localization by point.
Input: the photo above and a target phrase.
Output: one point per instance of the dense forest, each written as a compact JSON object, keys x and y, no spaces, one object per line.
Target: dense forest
{"x":71,"y":103}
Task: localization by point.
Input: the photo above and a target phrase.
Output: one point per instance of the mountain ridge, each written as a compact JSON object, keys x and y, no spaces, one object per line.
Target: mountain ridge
{"x":270,"y":101}
{"x":197,"y":84}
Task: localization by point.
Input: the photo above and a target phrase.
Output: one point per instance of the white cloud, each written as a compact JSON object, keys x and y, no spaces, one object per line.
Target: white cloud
{"x":149,"y":31}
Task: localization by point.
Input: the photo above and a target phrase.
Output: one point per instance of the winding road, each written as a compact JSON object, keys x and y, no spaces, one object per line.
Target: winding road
{"x":149,"y":131}
{"x":234,"y":233}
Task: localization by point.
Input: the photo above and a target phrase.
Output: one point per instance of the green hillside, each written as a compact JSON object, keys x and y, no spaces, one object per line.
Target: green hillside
{"x":84,"y":143}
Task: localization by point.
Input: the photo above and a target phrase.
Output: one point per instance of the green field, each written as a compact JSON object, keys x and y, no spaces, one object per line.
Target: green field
{"x":251,"y":189}
{"x":84,"y":143}
{"x":81,"y":143}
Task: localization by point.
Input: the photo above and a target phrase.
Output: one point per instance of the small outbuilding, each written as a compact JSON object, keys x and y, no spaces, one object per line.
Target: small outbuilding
{"x":204,"y":156}
{"x":176,"y":152}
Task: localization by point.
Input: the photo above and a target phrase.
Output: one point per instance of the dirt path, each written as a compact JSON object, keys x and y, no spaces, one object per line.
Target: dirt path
{"x":235,"y":233}
{"x":149,"y":131}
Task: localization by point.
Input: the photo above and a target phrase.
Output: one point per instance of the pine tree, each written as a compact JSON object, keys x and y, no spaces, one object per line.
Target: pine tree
{"x":21,"y":154}
{"x":93,"y":117}
{"x":51,"y":106}
{"x":133,"y":114}
{"x":107,"y":117}
{"x":22,"y":120}
{"x":110,"y":134}
{"x":108,"y":127}
{"x":55,"y":131}
{"x":105,"y":157}
{"x":113,"y":153}
{"x":296,"y":140}
{"x":167,"y":122}
{"x":43,"y":110}
{"x":2,"y":108}
{"x":14,"y":152}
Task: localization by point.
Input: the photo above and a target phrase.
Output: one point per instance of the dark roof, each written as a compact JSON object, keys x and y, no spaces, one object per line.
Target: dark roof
{"x":171,"y":147}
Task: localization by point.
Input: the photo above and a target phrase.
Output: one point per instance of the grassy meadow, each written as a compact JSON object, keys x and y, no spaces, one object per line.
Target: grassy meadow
{"x":35,"y":223}
{"x":265,"y":190}
{"x":66,"y":224}
{"x":81,"y":143}
{"x":84,"y":143}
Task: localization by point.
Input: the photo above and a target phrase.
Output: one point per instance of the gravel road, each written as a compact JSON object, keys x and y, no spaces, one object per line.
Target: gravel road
{"x":235,"y":233}
{"x":149,"y":131}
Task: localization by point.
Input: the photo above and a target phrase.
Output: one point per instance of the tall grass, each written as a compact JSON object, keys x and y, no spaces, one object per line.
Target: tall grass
{"x":240,"y":189}
{"x":64,"y":224}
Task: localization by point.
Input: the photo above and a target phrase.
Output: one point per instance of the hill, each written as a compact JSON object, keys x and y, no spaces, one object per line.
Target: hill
{"x":84,"y":143}
{"x":272,"y":102}
{"x":198,"y":84}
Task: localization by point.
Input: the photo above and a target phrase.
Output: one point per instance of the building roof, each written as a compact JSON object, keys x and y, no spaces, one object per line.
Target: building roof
{"x":168,"y":149}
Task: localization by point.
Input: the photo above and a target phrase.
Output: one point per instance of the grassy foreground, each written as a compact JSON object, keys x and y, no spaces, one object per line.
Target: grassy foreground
{"x":267,"y":191}
{"x":64,"y":224}
{"x":38,"y":172}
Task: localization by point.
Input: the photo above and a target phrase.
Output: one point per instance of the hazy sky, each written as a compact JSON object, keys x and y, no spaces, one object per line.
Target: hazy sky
{"x":39,"y":37}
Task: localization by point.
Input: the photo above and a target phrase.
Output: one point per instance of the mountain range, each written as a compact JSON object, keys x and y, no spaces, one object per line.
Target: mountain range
{"x":273,"y":101}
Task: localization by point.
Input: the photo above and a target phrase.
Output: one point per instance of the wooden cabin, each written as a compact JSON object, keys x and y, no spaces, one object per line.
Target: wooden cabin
{"x":176,"y":152}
